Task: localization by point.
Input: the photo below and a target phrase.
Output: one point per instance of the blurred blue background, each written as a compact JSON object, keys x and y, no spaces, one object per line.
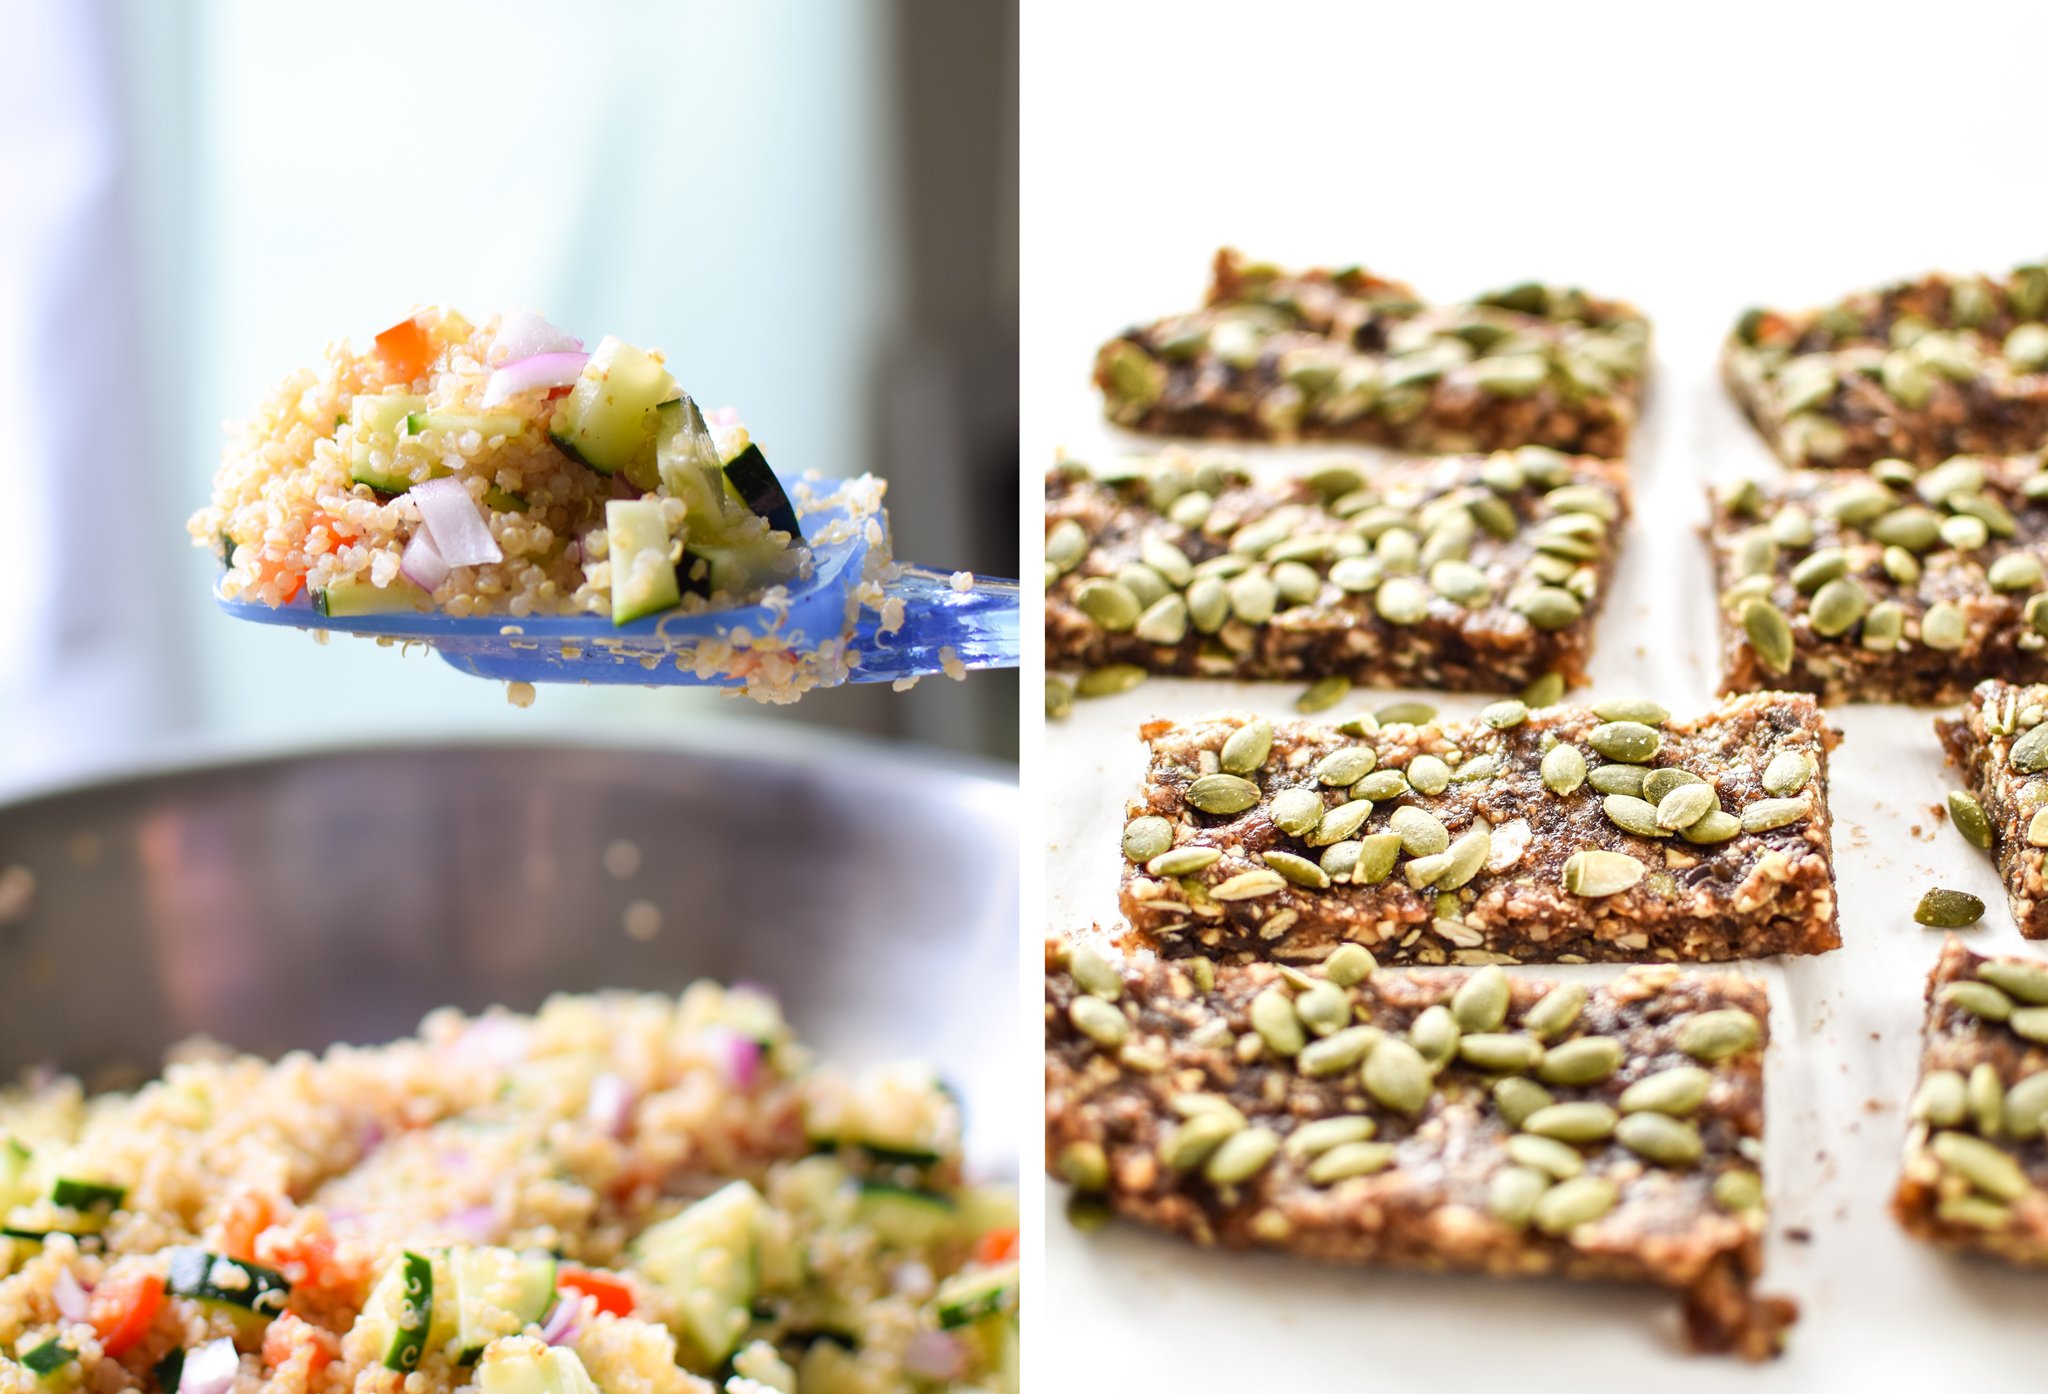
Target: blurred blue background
{"x":810,"y":207}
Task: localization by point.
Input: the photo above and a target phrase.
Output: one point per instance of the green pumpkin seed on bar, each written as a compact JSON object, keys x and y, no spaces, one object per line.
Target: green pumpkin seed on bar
{"x":1595,"y":872}
{"x":1350,"y":965}
{"x":1973,"y":1211}
{"x":1837,"y":606}
{"x":1323,"y":694}
{"x":1628,"y":742}
{"x":1944,"y":627}
{"x":1434,"y":1034}
{"x":1221,"y":794}
{"x":1480,"y":1003}
{"x":1985,"y":1093}
{"x":1298,"y":871}
{"x":1109,"y":680}
{"x":1338,"y":1052}
{"x":1767,"y":814}
{"x":1941,"y":1100}
{"x":1819,"y":568}
{"x":1401,"y":600}
{"x":1376,"y":856}
{"x":1499,"y":1052}
{"x":2015,"y":571}
{"x":1659,"y":1138}
{"x":1183,"y":861}
{"x":1769,"y":634}
{"x":1969,"y":818}
{"x":1350,"y":1159}
{"x":1581,"y":1060}
{"x":1563,"y":769}
{"x":1099,"y":1021}
{"x":1981,"y":1000}
{"x":1579,"y":1121}
{"x":1340,"y":823}
{"x":1343,"y":768}
{"x":1109,"y":603}
{"x":2026,"y":1107}
{"x":2022,"y":981}
{"x":1296,"y":812}
{"x":1546,"y":1154}
{"x":1208,"y":605}
{"x":1340,"y":860}
{"x":1518,"y":1096}
{"x":1633,"y":815}
{"x":1884,"y":626}
{"x":1555,"y":1012}
{"x":1965,"y":533}
{"x":1717,"y":1035}
{"x":1093,"y":973}
{"x":1512,"y":1194}
{"x":2037,"y":828}
{"x":1241,"y":1156}
{"x":1900,"y":565}
{"x":1660,"y":782}
{"x":1253,"y":596}
{"x":1147,"y":837}
{"x":1639,"y":710}
{"x":1716,"y":827}
{"x":1066,"y":542}
{"x":1787,"y":774}
{"x":1737,"y":1191}
{"x":1428,"y":775}
{"x":1315,"y":1138}
{"x":1685,"y":806}
{"x":1248,"y":885}
{"x":1059,"y":698}
{"x":1406,"y":714}
{"x":1984,"y":1165}
{"x":1546,"y":691}
{"x":1248,"y":747}
{"x":1617,"y":779}
{"x":1678,"y":1091}
{"x":1380,"y":786}
{"x":2029,"y":754}
{"x":1422,"y":832}
{"x":1192,"y":1143}
{"x":1084,"y":1166}
{"x":1549,"y":608}
{"x":1273,"y":1018}
{"x":1397,"y":1076}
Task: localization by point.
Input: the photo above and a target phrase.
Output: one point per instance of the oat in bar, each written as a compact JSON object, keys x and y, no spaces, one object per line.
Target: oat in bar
{"x":1921,"y":371}
{"x":1474,"y":572}
{"x":1560,"y":835}
{"x":1892,"y":585}
{"x":2000,"y":742}
{"x":1441,"y":1120}
{"x":1975,"y":1175}
{"x":1345,"y":355}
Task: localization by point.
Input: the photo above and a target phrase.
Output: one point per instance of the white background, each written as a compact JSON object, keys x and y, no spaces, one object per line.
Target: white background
{"x":1695,"y":161}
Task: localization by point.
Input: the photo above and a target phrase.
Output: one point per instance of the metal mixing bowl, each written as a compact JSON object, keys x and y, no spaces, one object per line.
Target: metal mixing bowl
{"x":302,"y":899}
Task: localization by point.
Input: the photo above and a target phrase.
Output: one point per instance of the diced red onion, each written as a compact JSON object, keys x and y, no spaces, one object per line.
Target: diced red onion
{"x":933,"y":1355}
{"x":565,"y":1323}
{"x":72,"y":1301}
{"x":421,"y":562}
{"x":211,"y":1369}
{"x":524,"y":334}
{"x":739,"y":1057}
{"x":611,"y":1104}
{"x":461,"y":535}
{"x":478,"y":1224}
{"x":727,"y":417}
{"x":492,"y":1040}
{"x":531,"y":374}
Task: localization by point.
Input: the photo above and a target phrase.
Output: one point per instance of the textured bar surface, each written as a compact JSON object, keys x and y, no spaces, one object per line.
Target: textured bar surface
{"x":2009,"y":776}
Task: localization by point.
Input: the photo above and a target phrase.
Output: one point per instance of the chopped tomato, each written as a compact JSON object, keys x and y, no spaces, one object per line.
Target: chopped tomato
{"x":613,"y":1295}
{"x":268,"y":571}
{"x":123,"y":1307}
{"x":327,"y":534}
{"x":997,"y":1246}
{"x":292,"y":1337}
{"x":406,"y":349}
{"x":245,"y":1215}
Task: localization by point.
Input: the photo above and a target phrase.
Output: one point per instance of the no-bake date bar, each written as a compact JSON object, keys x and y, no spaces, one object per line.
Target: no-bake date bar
{"x":1895,"y":585}
{"x":1565,"y":834}
{"x":1347,"y":355}
{"x":2000,"y":741}
{"x":1466,"y":572}
{"x":1920,"y":371}
{"x":1975,"y":1175}
{"x":1441,"y":1121}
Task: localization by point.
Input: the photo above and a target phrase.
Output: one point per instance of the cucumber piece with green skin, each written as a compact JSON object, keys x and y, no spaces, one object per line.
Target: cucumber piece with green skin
{"x":74,"y":1194}
{"x":378,"y":421}
{"x":607,"y":421}
{"x":224,"y":1282}
{"x":904,"y":1218}
{"x":757,"y":485}
{"x":414,"y":1312}
{"x":687,"y":461}
{"x":510,"y":1368}
{"x":705,"y":1258}
{"x":170,"y":1371}
{"x":359,"y":597}
{"x":968,"y":1297}
{"x":504,"y":500}
{"x":498,"y":1293}
{"x":456,"y":423}
{"x":48,"y":1358}
{"x":739,"y":568}
{"x":403,"y":1324}
{"x":643,"y":576}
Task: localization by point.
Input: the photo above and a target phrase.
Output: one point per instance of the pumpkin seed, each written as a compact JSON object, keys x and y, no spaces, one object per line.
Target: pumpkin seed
{"x":1819,"y":568}
{"x":1397,"y":1076}
{"x":2029,"y":754}
{"x":1660,"y":782}
{"x":1563,"y":769}
{"x":2015,"y":571}
{"x":1555,"y":1012}
{"x":1253,"y":596}
{"x":1549,"y":608}
{"x":1968,"y":816}
{"x":2026,"y":1107}
{"x":1943,"y":627}
{"x":1296,"y":812}
{"x":1183,"y":861}
{"x":1059,"y":698}
{"x":1272,"y":1016}
{"x":1629,"y":742}
{"x":1787,"y":774}
{"x":1481,"y":1002}
{"x":1165,"y":621}
{"x":1405,"y":714}
{"x":1546,"y":691}
{"x":1428,"y":775}
{"x":1984,"y":1165}
{"x":1685,"y":806}
{"x":1193,"y":1142}
{"x":2030,"y":1023}
{"x":1678,"y":1091}
{"x":1901,"y":565}
{"x":1315,"y":1138}
{"x":2023,"y":982}
{"x":1066,"y":542}
{"x":1109,"y":680}
{"x":1738,"y":1191}
{"x":1499,"y":1052}
{"x":1084,"y":1165}
{"x":1581,"y":1060}
{"x":1248,"y":885}
{"x":1594,"y":873}
{"x":1340,"y":822}
{"x":1717,"y":1035}
{"x":1093,"y":973}
{"x":1434,"y":1034}
{"x":1099,"y":1021}
{"x":1454,"y":867}
{"x":1376,"y":854}
{"x":1339,"y":1052}
{"x":1884,"y":626}
{"x":1618,"y":779}
{"x":1350,"y":965}
{"x":1766,"y":814}
{"x":1147,"y":837}
{"x":1715,"y":827}
{"x":1634,"y":815}
{"x":1422,"y":832}
{"x":1973,"y":1211}
{"x":1837,"y":607}
{"x":1545,"y":1154}
{"x":1350,"y":1159}
{"x":1297,"y":871}
{"x":1381,"y":785}
{"x":1506,"y":715}
{"x":1168,"y":560}
{"x":1248,"y":747}
{"x":1339,"y":860}
{"x":1221,"y":794}
{"x":1512,"y":1193}
{"x":1659,"y":1138}
{"x":2037,"y":828}
{"x":1569,"y":1204}
{"x":1109,"y":603}
{"x":1518,"y":1096}
{"x":1401,"y":600}
{"x":1770,"y":636}
{"x":1323,"y":694}
{"x":1941,"y":1100}
{"x":1342,"y":768}
{"x":1985,"y":1094}
{"x":1241,"y":1156}
{"x":1580,"y":1121}
{"x":1208,"y":604}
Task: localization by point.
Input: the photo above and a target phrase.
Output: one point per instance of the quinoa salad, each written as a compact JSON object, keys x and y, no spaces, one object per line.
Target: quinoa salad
{"x":494,"y":468}
{"x":634,"y":1194}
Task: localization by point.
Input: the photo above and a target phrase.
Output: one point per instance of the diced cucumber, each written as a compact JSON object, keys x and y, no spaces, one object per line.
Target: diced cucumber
{"x":757,"y":485}
{"x":967,"y":1297}
{"x":498,"y":1293}
{"x":400,"y":1311}
{"x":516,"y":1367}
{"x":378,"y":421}
{"x":75,"y":1194}
{"x":906,"y":1219}
{"x":704,"y":1259}
{"x":360,"y":597}
{"x":48,"y":1358}
{"x":224,"y":1282}
{"x":455,"y":423}
{"x":689,"y":468}
{"x":738,"y":568}
{"x":903,"y":1114}
{"x":607,"y":421}
{"x":643,"y":572}
{"x":985,"y":1208}
{"x":504,"y":500}
{"x":170,"y":1371}
{"x":17,"y":1186}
